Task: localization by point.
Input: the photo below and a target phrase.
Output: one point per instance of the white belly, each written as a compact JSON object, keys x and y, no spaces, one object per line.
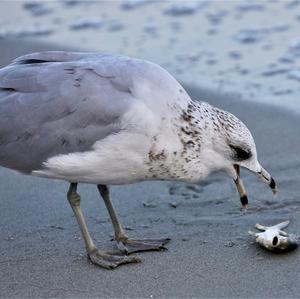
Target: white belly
{"x":118,"y":159}
{"x":127,"y":157}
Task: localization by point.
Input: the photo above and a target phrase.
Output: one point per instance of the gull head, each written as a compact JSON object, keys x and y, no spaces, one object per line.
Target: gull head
{"x":237,"y":148}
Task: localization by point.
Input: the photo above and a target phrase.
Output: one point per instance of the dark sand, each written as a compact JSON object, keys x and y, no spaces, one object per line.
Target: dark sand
{"x":210,"y":255}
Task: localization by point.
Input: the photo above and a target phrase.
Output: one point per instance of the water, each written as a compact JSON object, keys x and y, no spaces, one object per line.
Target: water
{"x":248,"y":48}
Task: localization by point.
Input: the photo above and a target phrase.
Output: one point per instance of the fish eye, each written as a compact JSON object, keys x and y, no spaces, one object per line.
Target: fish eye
{"x":240,"y":154}
{"x":275,"y":241}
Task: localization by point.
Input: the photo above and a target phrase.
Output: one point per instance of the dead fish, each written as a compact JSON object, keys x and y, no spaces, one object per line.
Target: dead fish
{"x":273,"y":238}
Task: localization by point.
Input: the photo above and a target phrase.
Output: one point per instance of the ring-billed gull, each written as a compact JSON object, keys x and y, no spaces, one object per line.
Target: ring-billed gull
{"x":111,"y":120}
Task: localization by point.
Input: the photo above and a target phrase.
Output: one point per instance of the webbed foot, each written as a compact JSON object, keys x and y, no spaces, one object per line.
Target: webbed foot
{"x":111,"y":261}
{"x":128,"y":246}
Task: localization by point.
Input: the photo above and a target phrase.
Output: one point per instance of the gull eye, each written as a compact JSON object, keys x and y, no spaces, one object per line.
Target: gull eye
{"x":240,"y":154}
{"x":275,"y":241}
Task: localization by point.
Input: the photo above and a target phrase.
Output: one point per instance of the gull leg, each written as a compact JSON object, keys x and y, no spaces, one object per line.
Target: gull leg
{"x":100,"y":258}
{"x":124,"y":244}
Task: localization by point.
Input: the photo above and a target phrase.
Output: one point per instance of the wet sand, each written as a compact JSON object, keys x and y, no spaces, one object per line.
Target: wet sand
{"x":250,"y":47}
{"x":210,"y":255}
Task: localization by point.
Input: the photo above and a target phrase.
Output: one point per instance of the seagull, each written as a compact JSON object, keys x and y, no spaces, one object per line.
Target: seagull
{"x":108,"y":120}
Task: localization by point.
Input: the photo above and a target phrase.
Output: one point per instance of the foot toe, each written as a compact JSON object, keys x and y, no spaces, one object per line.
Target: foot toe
{"x":111,"y":261}
{"x":131,"y":246}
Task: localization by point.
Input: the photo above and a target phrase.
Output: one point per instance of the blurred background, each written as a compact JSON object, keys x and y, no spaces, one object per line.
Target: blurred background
{"x":249,"y":48}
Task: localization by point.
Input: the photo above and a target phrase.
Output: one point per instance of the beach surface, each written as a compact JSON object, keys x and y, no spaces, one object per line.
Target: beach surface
{"x":210,"y":255}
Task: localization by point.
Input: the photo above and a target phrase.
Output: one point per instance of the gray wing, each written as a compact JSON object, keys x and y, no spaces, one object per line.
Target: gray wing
{"x":59,"y":102}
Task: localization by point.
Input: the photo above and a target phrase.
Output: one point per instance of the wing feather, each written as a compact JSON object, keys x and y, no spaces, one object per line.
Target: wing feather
{"x":55,"y":107}
{"x":55,"y":103}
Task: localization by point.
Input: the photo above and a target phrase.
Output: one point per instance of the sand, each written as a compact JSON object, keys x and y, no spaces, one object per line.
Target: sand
{"x":211,"y":253}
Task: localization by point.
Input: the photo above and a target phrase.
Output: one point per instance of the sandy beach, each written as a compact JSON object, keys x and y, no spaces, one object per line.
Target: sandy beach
{"x":210,"y":254}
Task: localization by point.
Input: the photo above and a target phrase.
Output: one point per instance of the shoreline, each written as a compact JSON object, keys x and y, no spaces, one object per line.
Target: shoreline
{"x":11,"y":49}
{"x":228,"y":47}
{"x":210,"y":254}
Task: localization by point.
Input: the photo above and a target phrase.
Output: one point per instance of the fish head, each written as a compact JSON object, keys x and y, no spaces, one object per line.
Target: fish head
{"x":277,"y":241}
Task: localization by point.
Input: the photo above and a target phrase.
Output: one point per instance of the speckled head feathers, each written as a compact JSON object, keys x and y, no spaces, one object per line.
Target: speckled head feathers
{"x":237,"y":141}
